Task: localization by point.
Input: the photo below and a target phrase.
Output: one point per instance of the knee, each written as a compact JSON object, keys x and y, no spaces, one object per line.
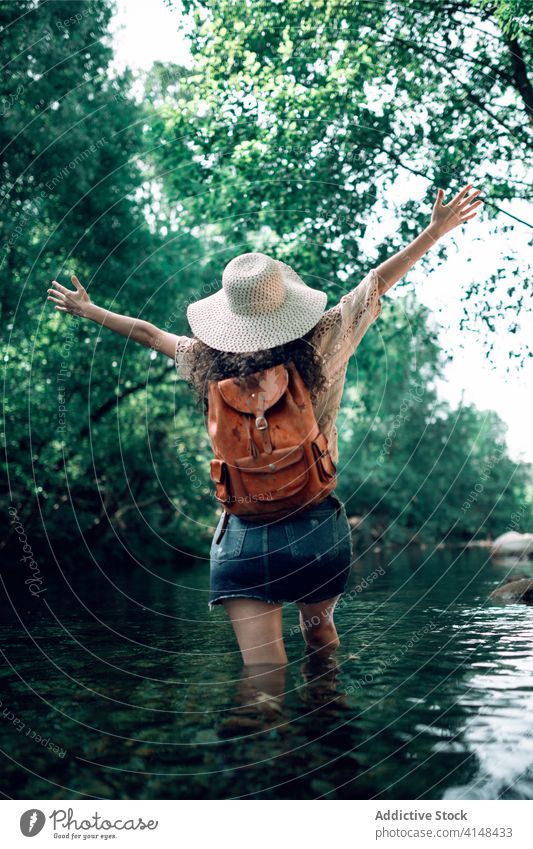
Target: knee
{"x":320,"y":633}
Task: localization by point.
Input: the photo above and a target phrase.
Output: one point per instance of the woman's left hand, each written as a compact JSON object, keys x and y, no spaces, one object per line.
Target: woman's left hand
{"x":460,"y":209}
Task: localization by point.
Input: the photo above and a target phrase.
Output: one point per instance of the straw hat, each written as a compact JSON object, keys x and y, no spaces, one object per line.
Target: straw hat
{"x":262,"y":303}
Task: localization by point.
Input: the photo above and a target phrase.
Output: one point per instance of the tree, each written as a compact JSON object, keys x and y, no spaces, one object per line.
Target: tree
{"x":87,"y":414}
{"x":412,"y":467}
{"x":301,"y":116}
{"x":100,"y":441}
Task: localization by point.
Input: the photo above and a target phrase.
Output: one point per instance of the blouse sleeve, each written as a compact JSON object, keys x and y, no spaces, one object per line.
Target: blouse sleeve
{"x":341,"y":328}
{"x":183,"y":356}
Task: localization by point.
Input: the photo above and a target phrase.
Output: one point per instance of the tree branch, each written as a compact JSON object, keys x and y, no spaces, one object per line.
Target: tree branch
{"x":116,"y":399}
{"x":471,"y":96}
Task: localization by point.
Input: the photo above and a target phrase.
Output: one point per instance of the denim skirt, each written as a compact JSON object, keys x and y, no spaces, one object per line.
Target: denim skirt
{"x":305,"y":558}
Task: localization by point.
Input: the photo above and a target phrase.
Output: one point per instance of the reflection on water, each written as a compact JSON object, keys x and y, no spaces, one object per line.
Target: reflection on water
{"x":121,"y":684}
{"x":499,"y":702}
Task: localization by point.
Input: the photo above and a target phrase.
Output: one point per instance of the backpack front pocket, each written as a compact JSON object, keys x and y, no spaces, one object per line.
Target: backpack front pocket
{"x":270,"y":477}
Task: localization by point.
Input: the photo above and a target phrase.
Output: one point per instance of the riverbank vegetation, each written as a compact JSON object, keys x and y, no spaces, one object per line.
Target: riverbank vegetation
{"x":276,"y":140}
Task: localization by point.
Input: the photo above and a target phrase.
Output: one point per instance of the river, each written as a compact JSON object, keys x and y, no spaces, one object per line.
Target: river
{"x":118,"y":682}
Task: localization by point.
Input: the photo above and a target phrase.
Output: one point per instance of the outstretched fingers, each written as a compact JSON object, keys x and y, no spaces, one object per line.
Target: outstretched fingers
{"x":469,"y":207}
{"x":459,"y":197}
{"x":59,"y":288}
{"x":464,"y":204}
{"x":468,"y":200}
{"x":467,"y":210}
{"x":463,"y":207}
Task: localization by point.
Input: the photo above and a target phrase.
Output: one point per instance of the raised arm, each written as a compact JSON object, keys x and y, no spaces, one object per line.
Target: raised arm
{"x":445,"y":217}
{"x":78,"y":302}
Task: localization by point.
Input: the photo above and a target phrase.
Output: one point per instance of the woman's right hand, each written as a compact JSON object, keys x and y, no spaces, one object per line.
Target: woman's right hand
{"x":66,"y":300}
{"x":459,"y":210}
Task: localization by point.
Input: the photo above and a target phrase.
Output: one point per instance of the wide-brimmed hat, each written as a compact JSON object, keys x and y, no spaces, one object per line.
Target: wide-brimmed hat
{"x":262,"y":303}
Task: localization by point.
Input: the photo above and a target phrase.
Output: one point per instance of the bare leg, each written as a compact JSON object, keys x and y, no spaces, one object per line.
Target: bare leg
{"x":265,"y":677}
{"x":259,"y":630}
{"x":259,"y":702}
{"x":317,"y":626}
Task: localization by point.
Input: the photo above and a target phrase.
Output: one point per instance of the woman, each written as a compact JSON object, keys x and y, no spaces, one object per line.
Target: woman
{"x":265,"y":315}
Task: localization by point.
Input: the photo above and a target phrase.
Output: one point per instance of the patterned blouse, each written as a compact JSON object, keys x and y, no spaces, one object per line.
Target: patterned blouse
{"x":336,"y":337}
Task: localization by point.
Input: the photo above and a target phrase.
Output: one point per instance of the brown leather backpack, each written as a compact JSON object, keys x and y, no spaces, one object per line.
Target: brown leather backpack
{"x":271,"y":460}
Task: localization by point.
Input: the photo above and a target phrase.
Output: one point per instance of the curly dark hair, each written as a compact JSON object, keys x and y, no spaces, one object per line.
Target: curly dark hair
{"x":211,"y":364}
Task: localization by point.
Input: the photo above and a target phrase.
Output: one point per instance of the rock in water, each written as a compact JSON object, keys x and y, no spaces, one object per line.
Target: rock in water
{"x":513,"y":543}
{"x":515,"y":591}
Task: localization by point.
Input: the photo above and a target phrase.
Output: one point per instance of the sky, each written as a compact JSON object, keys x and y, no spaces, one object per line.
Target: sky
{"x":146,"y":32}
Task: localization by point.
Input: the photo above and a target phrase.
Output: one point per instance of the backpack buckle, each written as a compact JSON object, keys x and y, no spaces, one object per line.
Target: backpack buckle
{"x":261,"y":423}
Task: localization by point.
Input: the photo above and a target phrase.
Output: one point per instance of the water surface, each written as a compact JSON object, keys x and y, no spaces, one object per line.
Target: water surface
{"x":117,"y":682}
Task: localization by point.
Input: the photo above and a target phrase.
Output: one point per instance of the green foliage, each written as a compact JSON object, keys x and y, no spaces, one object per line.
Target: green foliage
{"x":411,"y":467}
{"x":86,"y":411}
{"x":275,"y":141}
{"x":513,"y":16}
{"x":302,"y":116}
{"x":299,"y":118}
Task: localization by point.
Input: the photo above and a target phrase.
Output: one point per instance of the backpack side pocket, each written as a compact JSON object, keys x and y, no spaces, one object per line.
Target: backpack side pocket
{"x":220,"y":475}
{"x":326,"y":468}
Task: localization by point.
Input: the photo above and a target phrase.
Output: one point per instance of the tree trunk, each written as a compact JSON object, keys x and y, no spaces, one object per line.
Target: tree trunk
{"x":520,"y":76}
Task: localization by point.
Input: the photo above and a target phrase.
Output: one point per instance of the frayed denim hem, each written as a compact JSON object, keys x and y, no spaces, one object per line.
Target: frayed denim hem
{"x":220,"y":598}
